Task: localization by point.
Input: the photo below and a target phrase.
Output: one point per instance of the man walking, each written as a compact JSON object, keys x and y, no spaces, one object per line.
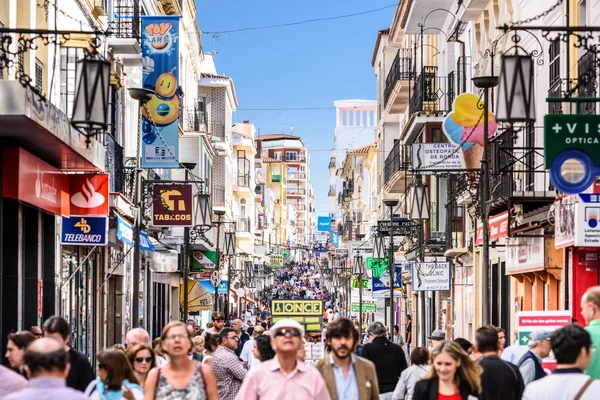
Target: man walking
{"x":500,"y":380}
{"x":242,"y":335}
{"x":284,"y":377}
{"x":247,"y":355}
{"x":218,"y":320}
{"x":80,"y":372}
{"x":408,"y":333}
{"x":47,"y":365}
{"x":347,"y":376}
{"x":389,"y":359}
{"x":226,"y":365}
{"x":571,"y":346}
{"x":531,"y":363}
{"x":590,"y":310}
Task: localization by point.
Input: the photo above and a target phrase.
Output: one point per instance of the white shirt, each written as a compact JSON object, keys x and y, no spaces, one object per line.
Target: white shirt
{"x":561,"y":386}
{"x":246,"y":354}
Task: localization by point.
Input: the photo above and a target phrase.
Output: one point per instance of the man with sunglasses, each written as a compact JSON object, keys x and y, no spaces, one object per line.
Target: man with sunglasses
{"x":284,"y":377}
{"x":226,"y":365}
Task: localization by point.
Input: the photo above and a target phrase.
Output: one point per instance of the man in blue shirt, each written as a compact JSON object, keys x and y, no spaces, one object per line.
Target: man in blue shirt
{"x":531,"y":363}
{"x":47,"y":366}
{"x":348,"y":377}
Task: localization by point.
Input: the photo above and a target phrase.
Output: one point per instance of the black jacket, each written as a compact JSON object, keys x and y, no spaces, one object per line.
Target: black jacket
{"x":81,"y":372}
{"x":389,"y":360}
{"x":428,"y":390}
{"x":500,"y":380}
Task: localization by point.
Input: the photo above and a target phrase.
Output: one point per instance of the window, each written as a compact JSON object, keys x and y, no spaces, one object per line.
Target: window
{"x":278,"y":155}
{"x":291,"y":156}
{"x":39,"y":71}
{"x":207,"y":174}
{"x":68,"y":63}
{"x":554,"y":75}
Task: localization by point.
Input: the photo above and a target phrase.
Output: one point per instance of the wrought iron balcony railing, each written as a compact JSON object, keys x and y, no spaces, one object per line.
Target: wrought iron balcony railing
{"x":193,"y":119}
{"x":431,"y":92}
{"x":241,"y":178}
{"x":125,"y":25}
{"x":401,"y":70}
{"x":242,"y":224}
{"x":399,"y":159}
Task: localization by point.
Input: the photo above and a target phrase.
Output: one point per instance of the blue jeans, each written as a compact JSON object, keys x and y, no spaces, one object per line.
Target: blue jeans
{"x":408,"y":350}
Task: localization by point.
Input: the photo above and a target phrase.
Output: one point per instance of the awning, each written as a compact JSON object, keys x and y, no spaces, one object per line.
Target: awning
{"x":125,"y":235}
{"x":199,"y":299}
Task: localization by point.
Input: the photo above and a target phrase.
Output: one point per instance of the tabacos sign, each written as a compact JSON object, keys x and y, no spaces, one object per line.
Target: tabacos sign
{"x":172,"y":205}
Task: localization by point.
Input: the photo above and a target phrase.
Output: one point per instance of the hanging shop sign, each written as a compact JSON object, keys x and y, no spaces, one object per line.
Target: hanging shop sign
{"x":324,"y":224}
{"x":29,"y":179}
{"x":587,"y":221}
{"x":203,"y":260}
{"x":172,"y":205}
{"x":84,"y":231}
{"x":498,"y":228}
{"x":125,"y":235}
{"x":210,"y":287}
{"x":433,"y":276}
{"x":276,"y":261}
{"x":89,"y":194}
{"x":549,"y":321}
{"x":365,"y":284}
{"x":429,"y":158}
{"x":564,"y":217}
{"x":164,"y":261}
{"x":381,"y":284}
{"x":464,"y":127}
{"x":308,"y":312}
{"x":525,"y":254}
{"x":366,"y":307}
{"x":376,"y":265}
{"x":335,"y":239}
{"x":160,"y":116}
{"x":574,"y":139}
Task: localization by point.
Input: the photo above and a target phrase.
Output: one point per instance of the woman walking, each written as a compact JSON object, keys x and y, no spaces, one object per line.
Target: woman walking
{"x":181,"y":378}
{"x":453,"y":375}
{"x":142,"y":359}
{"x":116,"y":380}
{"x":419,"y":358}
{"x":15,"y":349}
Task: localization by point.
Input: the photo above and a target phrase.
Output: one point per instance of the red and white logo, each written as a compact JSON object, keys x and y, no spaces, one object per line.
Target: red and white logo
{"x":89,"y":194}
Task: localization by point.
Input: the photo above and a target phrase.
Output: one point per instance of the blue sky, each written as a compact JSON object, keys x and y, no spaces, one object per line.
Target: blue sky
{"x":309,"y":65}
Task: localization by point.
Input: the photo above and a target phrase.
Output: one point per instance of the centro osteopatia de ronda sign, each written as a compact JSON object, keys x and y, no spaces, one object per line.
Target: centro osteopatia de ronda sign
{"x":572,"y":151}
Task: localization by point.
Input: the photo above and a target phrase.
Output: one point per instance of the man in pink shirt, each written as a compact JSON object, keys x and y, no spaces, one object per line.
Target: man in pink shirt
{"x":284,"y":377}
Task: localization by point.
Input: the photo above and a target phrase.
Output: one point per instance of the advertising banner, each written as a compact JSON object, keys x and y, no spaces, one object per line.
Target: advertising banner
{"x":172,"y":205}
{"x":531,"y":321}
{"x":89,"y":194}
{"x":160,"y":67}
{"x":335,"y":239}
{"x":84,"y":231}
{"x":211,"y":289}
{"x":203,"y":260}
{"x":125,"y":235}
{"x":525,"y":254}
{"x":564,"y":216}
{"x":587,"y":226}
{"x":428,"y":158}
{"x":430,"y":276}
{"x":324,"y":224}
{"x":366,"y":307}
{"x":498,"y":228}
{"x":381,"y":284}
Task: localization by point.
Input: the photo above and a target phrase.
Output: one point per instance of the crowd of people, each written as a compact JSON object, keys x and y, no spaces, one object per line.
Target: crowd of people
{"x":239,"y":360}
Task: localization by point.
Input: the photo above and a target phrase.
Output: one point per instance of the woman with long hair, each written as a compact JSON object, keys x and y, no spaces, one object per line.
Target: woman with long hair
{"x":211,"y":342}
{"x":419,"y":359}
{"x":142,"y":359}
{"x":181,"y":378}
{"x":453,"y":375}
{"x":116,"y":380}
{"x":15,"y":349}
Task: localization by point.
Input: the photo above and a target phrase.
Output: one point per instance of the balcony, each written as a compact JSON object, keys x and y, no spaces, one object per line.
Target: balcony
{"x":518,"y":173}
{"x":397,"y":83}
{"x":242,"y":224}
{"x":332,"y":162}
{"x":277,"y":221}
{"x":301,"y":208}
{"x":193,"y":120}
{"x":276,"y":178}
{"x":216,"y":129}
{"x":241,"y":180}
{"x":396,"y":169}
{"x":587,"y":82}
{"x":218,"y":196}
{"x":431,"y":101}
{"x":296,"y":176}
{"x":295,"y":192}
{"x":331,"y":192}
{"x":125,"y":34}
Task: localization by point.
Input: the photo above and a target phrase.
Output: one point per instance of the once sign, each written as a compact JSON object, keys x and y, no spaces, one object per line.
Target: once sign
{"x":297,"y":307}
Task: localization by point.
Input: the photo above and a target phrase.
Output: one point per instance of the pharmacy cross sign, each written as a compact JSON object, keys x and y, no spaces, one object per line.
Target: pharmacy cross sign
{"x":572,"y":150}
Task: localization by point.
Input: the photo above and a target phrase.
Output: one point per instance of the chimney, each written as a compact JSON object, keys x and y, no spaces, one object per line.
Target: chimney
{"x":246,"y":121}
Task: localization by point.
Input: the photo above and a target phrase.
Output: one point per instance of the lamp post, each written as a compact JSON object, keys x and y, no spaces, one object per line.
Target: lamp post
{"x":485,"y":83}
{"x":142,"y":96}
{"x":230,"y":253}
{"x":359,"y":270}
{"x":391,"y":203}
{"x":185,"y":256}
{"x":220,"y":214}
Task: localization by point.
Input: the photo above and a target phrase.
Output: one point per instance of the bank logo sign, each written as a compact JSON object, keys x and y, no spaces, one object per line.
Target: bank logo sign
{"x":84,"y":231}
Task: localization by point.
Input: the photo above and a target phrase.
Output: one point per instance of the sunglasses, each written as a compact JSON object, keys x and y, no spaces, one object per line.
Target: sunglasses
{"x":283,"y":332}
{"x":142,"y":359}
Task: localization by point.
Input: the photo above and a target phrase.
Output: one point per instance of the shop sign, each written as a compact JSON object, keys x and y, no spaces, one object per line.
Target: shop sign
{"x":211,"y":288}
{"x":587,"y":221}
{"x":498,"y":228}
{"x":365,"y":284}
{"x":297,"y":307}
{"x":427,"y":158}
{"x":84,"y":231}
{"x":525,"y":254}
{"x":324,"y":224}
{"x":165,"y":261}
{"x":31,"y":180}
{"x":160,"y":136}
{"x":172,"y":205}
{"x":125,"y":235}
{"x":381,"y":284}
{"x":564,"y":217}
{"x":276,"y":261}
{"x":366,"y":307}
{"x":531,"y":321}
{"x":89,"y":194}
{"x":430,"y":276}
{"x":203,"y":260}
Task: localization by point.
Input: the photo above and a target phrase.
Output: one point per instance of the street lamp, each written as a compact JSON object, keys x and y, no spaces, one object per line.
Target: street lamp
{"x":391,"y":203}
{"x":486,"y":83}
{"x":359,"y":271}
{"x":230,"y":253}
{"x":90,"y":103}
{"x":220,"y":214}
{"x":516,"y":94}
{"x":185,"y":257}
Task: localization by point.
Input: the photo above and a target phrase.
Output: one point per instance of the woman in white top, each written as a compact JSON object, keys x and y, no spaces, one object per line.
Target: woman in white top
{"x":211,"y":343}
{"x":419,"y":358}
